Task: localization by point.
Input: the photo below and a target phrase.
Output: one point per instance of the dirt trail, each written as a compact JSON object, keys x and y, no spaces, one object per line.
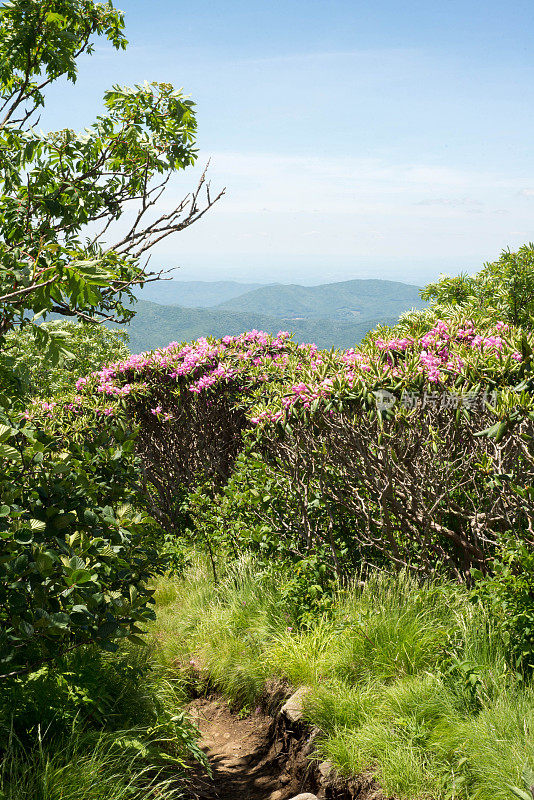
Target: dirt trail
{"x":245,"y":763}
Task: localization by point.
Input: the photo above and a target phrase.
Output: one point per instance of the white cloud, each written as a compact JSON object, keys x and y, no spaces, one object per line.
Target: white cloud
{"x":350,"y":210}
{"x":262,"y":182}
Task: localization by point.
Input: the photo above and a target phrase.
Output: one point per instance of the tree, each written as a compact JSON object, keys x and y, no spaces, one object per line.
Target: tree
{"x":74,"y":555}
{"x":508,"y":284}
{"x":58,"y":188}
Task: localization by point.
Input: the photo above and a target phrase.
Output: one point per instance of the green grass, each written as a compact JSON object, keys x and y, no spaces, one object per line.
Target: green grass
{"x":96,"y":727}
{"x":84,"y":767}
{"x":408,"y":680}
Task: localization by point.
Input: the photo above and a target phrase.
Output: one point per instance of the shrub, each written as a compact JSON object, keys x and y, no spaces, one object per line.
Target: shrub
{"x":96,"y":726}
{"x":85,"y":348}
{"x":502,"y":290}
{"x":429,"y":480}
{"x":509,"y":591}
{"x":74,"y":564}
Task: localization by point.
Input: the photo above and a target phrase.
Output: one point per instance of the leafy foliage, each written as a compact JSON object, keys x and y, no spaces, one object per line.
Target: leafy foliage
{"x":96,"y":726}
{"x":73,"y":564}
{"x":509,"y":592}
{"x":40,"y":41}
{"x":330,"y":475}
{"x":52,"y":185}
{"x":86,"y":348}
{"x":503,"y":289}
{"x":73,"y":567}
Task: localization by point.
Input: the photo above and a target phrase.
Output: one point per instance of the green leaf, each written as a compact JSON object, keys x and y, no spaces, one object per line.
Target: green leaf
{"x":5,"y":432}
{"x":79,"y":576}
{"x":23,"y":536}
{"x":496,"y":431}
{"x":108,"y":629}
{"x":52,"y":16}
{"x":6,"y":451}
{"x":136,"y":640}
{"x":44,"y":563}
{"x":60,"y":620}
{"x":520,"y":792}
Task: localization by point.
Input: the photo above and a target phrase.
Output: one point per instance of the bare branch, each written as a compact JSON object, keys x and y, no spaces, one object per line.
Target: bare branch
{"x":136,"y":242}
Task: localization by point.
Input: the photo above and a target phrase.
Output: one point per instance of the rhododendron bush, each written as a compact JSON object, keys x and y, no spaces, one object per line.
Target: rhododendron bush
{"x":413,"y":448}
{"x":190,"y":405}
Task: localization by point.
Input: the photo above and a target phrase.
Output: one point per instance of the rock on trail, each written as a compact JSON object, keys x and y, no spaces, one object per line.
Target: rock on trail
{"x":263,"y":757}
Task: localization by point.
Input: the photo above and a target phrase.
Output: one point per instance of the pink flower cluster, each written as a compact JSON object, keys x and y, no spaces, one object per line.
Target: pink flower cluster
{"x":106,"y":412}
{"x":435,"y":357}
{"x":220,"y":373}
{"x":394,"y":344}
{"x":160,"y":414}
{"x":276,"y":374}
{"x":202,"y":364}
{"x":439,"y":355}
{"x":40,"y":407}
{"x":50,"y":410}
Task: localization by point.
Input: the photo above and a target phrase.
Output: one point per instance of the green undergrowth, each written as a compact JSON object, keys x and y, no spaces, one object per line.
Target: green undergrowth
{"x":409,"y":680}
{"x":97,"y":726}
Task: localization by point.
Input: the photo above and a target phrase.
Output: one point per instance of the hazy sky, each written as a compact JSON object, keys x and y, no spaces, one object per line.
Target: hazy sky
{"x":355,"y":139}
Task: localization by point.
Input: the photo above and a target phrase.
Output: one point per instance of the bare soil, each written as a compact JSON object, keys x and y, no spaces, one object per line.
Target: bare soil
{"x":247,"y":763}
{"x":263,"y":757}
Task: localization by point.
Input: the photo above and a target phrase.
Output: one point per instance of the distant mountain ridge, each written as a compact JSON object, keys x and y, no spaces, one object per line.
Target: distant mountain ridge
{"x":344,"y":300}
{"x":193,"y":294}
{"x":331,"y":315}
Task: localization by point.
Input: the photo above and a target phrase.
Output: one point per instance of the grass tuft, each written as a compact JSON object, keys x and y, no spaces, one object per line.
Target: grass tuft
{"x":409,"y":680}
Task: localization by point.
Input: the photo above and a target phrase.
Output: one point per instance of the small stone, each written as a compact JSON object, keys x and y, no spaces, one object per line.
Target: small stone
{"x":292,"y":708}
{"x":305,"y":796}
{"x":325,"y":768}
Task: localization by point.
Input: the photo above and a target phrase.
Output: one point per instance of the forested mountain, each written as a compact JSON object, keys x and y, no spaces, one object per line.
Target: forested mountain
{"x":344,"y":300}
{"x":155,"y":325}
{"x":331,"y":315}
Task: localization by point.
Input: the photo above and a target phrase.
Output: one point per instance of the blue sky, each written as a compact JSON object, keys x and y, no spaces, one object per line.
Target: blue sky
{"x":355,"y":139}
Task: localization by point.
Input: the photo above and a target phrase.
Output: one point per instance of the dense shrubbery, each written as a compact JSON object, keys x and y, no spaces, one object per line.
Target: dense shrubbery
{"x":31,"y":371}
{"x":413,"y":450}
{"x":75,"y":546}
{"x":502,"y":290}
{"x":74,"y":565}
{"x":509,"y":592}
{"x":410,"y":450}
{"x":96,"y":727}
